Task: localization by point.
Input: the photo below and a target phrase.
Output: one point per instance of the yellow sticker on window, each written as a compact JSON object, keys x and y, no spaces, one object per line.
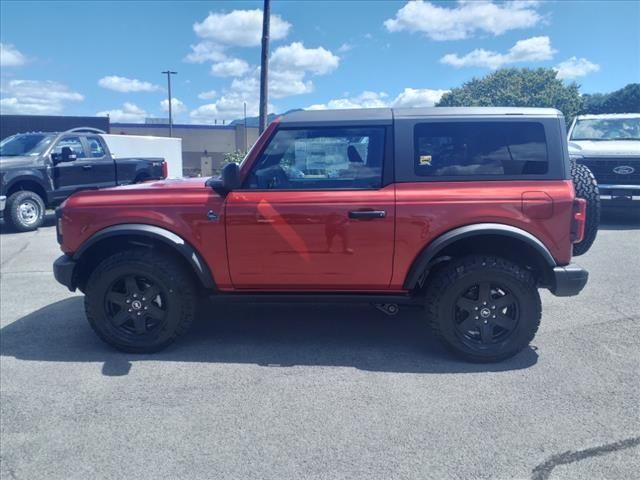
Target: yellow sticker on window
{"x":425,"y":160}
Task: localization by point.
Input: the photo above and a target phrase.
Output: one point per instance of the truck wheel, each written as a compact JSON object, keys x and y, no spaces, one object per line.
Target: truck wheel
{"x":140,"y":301}
{"x":586,"y":187}
{"x":484,"y":308}
{"x":25,"y":210}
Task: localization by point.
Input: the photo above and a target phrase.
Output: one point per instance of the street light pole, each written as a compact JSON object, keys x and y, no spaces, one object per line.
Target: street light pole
{"x":168,"y":73}
{"x":264,"y":66}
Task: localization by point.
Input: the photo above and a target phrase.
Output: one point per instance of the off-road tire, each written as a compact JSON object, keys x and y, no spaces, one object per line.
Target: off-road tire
{"x":176,"y":295}
{"x":586,"y":187}
{"x":25,"y":211}
{"x":450,"y":283}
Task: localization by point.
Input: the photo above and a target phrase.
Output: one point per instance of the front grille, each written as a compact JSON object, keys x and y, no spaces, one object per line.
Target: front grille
{"x":602,"y":168}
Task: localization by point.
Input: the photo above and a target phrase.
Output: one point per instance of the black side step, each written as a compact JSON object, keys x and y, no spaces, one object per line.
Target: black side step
{"x":317,"y":298}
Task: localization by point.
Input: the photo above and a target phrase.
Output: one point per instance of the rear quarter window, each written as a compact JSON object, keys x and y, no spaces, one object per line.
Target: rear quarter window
{"x":480,"y":149}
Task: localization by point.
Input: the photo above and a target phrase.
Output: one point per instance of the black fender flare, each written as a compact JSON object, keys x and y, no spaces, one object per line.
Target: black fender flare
{"x":163,"y":235}
{"x":430,"y":252}
{"x":28,"y":175}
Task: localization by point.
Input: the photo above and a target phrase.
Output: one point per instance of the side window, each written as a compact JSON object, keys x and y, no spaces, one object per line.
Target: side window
{"x":468,"y":149}
{"x":73,"y":143}
{"x":321,"y":158}
{"x":95,"y":147}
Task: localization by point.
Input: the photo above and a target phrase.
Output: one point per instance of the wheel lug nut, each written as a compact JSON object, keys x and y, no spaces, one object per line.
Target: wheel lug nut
{"x":143,"y":299}
{"x":135,"y":295}
{"x":476,"y":308}
{"x":476,"y":318}
{"x":484,"y":303}
{"x":146,"y":308}
{"x":486,"y":321}
{"x":128,"y":301}
{"x":493,"y":307}
{"x":493,"y":316}
{"x":130,"y":310}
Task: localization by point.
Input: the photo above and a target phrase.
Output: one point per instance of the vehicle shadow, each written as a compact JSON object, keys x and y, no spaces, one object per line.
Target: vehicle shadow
{"x":618,"y":219}
{"x":273,"y":335}
{"x":49,"y":221}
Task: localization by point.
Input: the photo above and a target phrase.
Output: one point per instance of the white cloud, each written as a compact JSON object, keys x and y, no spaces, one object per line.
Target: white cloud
{"x":366,"y":99}
{"x":208,"y":95}
{"x":129,"y":113}
{"x":418,"y":97}
{"x":298,"y":58}
{"x":123,"y":84}
{"x":528,"y":50}
{"x":232,"y":67}
{"x":465,"y":19}
{"x":10,"y":56}
{"x":575,"y":67}
{"x":228,"y":107}
{"x":205,"y":52}
{"x":177,"y":106}
{"x":409,"y":97}
{"x":36,"y":97}
{"x":241,"y":28}
{"x":345,"y":47}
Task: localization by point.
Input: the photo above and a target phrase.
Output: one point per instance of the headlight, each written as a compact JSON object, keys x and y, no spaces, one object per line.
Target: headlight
{"x":576,"y":157}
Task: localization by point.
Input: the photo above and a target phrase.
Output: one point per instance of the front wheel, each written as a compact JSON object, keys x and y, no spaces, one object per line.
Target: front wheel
{"x":484,"y":308}
{"x":25,"y":210}
{"x":140,"y":301}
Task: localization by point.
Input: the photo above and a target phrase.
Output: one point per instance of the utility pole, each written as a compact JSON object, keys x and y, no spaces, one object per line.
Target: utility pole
{"x":264,"y":66}
{"x":168,"y":73}
{"x":245,"y":127}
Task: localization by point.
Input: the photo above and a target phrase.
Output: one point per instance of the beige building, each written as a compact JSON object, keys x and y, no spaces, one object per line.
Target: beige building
{"x":203,"y":146}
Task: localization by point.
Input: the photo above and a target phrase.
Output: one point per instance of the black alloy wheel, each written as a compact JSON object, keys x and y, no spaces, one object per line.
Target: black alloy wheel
{"x":486,"y":313}
{"x":135,"y":305}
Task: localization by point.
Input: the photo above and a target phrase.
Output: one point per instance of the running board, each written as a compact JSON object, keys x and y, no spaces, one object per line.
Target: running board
{"x":317,"y":298}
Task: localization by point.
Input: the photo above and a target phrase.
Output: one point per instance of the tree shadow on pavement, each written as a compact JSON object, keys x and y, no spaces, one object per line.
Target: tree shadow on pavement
{"x":272,"y":335}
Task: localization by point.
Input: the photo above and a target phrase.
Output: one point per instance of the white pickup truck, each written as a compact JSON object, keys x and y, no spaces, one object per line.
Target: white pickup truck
{"x":610,"y":146}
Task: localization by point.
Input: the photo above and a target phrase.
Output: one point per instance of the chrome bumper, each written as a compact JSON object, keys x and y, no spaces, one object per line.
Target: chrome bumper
{"x":619,"y":192}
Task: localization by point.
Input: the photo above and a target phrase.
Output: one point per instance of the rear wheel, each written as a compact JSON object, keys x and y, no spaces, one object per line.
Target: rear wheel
{"x":25,"y":210}
{"x":586,"y":187}
{"x":140,"y":301}
{"x":484,"y":308}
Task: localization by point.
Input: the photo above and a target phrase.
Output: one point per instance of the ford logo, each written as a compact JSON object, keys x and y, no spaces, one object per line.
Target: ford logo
{"x":624,"y":170}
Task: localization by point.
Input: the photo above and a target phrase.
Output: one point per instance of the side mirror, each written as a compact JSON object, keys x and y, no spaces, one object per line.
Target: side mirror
{"x":67,"y":155}
{"x":229,"y":179}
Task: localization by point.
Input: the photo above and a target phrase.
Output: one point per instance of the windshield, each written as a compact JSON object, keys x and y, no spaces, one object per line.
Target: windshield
{"x":32,"y":144}
{"x":607,"y":129}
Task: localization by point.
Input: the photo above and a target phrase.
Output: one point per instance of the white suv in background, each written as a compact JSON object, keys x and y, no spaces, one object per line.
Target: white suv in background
{"x":610,"y":146}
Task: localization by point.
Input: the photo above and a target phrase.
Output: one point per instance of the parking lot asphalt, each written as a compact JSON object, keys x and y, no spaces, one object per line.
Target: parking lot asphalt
{"x":319,"y":391}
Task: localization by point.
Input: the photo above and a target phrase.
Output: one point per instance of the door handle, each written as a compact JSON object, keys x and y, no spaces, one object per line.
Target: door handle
{"x":87,"y":167}
{"x":367,"y":214}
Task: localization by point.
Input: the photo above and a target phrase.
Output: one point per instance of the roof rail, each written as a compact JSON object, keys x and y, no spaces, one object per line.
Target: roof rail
{"x":85,"y":130}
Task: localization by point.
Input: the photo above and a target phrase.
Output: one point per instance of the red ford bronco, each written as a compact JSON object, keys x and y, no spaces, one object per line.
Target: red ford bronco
{"x":466,"y":211}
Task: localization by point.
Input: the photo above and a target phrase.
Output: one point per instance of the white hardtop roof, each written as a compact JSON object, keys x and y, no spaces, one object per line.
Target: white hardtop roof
{"x":608,"y":115}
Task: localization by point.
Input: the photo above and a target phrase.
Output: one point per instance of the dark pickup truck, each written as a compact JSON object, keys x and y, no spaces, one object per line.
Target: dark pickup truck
{"x":40,"y":170}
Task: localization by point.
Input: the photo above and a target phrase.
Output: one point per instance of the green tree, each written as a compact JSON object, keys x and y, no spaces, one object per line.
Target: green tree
{"x":625,"y":100}
{"x":517,"y":87}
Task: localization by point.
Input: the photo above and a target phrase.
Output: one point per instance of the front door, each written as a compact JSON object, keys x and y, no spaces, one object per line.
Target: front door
{"x":92,"y":168}
{"x":314,"y":214}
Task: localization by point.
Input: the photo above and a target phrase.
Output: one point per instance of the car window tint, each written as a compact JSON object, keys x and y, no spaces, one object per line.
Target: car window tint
{"x":323,"y":158}
{"x":95,"y":147}
{"x":452,"y":149}
{"x":73,"y":143}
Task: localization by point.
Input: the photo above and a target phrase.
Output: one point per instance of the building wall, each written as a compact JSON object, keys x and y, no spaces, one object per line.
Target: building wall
{"x":12,"y":124}
{"x":198,"y":141}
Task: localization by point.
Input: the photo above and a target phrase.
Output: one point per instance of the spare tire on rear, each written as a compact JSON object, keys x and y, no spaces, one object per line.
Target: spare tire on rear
{"x":586,"y":187}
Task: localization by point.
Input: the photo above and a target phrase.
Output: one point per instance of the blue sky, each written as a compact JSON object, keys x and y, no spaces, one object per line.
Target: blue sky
{"x":87,"y":58}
